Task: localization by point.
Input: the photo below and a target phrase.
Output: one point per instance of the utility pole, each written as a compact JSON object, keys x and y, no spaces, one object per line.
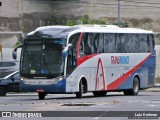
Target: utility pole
{"x":0,"y":43}
{"x":1,"y":51}
{"x":119,"y":13}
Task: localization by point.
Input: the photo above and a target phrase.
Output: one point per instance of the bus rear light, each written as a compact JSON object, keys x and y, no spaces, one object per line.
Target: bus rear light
{"x":40,"y":90}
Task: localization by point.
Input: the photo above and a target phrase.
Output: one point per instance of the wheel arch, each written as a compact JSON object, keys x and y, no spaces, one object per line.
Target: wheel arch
{"x":138,"y":77}
{"x":84,"y":81}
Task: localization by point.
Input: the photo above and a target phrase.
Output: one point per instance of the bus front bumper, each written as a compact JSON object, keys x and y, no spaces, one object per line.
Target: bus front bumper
{"x":59,"y":87}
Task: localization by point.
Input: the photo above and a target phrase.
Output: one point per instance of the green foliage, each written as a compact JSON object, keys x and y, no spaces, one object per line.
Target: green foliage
{"x":85,"y":20}
{"x":101,"y":22}
{"x":19,"y":42}
{"x":71,"y":22}
{"x":122,"y":24}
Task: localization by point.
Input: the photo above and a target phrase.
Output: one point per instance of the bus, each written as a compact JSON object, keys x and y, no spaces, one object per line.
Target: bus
{"x":81,"y":59}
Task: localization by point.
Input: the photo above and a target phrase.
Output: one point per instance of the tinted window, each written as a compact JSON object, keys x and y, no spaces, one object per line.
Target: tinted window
{"x":109,"y":43}
{"x":116,"y":43}
{"x":72,"y":57}
{"x":134,"y":43}
{"x":90,"y":44}
{"x":120,"y":43}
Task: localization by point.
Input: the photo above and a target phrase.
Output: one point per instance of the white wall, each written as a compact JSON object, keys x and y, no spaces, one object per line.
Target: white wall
{"x":157,"y":61}
{"x":14,"y":8}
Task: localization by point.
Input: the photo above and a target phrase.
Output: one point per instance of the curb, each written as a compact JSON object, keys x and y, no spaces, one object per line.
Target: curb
{"x":156,"y":88}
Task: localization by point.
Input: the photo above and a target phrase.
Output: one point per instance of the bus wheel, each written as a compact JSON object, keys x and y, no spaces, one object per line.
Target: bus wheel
{"x":41,"y":95}
{"x":81,"y":90}
{"x":3,"y":91}
{"x":99,"y":93}
{"x":135,"y":89}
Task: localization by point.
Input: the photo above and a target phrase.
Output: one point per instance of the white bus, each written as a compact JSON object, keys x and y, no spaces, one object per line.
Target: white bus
{"x":81,"y":59}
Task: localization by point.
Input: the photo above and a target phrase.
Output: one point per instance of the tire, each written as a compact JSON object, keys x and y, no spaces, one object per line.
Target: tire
{"x":99,"y":93}
{"x":135,"y":89}
{"x":41,"y":96}
{"x":126,"y":92}
{"x":81,"y":90}
{"x":3,"y":91}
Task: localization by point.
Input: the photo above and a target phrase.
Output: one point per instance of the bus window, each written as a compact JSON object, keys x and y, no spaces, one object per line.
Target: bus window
{"x":100,"y":41}
{"x":135,"y":42}
{"x":92,"y":42}
{"x":129,"y":44}
{"x":109,"y":43}
{"x":120,"y":43}
{"x":82,"y":46}
{"x":151,"y":42}
{"x":143,"y":44}
{"x":72,"y":57}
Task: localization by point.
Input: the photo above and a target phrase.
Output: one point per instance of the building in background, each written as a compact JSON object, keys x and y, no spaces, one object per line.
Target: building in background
{"x":26,"y":15}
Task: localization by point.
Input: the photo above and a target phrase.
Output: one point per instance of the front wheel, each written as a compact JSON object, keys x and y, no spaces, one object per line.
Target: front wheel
{"x":3,"y":91}
{"x":81,"y":90}
{"x":41,"y":96}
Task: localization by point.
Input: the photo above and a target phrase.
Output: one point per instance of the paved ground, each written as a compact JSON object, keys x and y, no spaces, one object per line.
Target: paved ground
{"x":145,"y":101}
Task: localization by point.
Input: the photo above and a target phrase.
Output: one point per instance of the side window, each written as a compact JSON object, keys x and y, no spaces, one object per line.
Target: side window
{"x":84,"y":47}
{"x":93,"y":40}
{"x":143,"y":43}
{"x":109,"y":43}
{"x":72,"y":56}
{"x":135,"y":45}
{"x":100,"y":43}
{"x":90,"y":44}
{"x":151,"y":42}
{"x":120,"y":43}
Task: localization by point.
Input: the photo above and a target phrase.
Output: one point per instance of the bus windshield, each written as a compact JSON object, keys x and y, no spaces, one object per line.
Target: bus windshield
{"x":42,"y":57}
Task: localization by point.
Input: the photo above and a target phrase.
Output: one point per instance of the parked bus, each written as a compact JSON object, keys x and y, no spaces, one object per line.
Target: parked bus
{"x":81,"y":59}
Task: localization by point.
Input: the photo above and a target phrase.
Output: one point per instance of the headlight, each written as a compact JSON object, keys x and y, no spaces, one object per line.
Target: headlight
{"x":21,"y":78}
{"x":61,"y":77}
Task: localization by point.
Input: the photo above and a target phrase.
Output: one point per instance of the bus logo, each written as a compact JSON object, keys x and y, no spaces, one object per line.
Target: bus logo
{"x":119,"y":59}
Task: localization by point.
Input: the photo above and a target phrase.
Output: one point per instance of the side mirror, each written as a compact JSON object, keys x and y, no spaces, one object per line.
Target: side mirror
{"x":65,"y":50}
{"x":14,"y":52}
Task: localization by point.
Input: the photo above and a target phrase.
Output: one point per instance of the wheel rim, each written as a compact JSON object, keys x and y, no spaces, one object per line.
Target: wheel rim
{"x":82,"y":88}
{"x":136,"y":86}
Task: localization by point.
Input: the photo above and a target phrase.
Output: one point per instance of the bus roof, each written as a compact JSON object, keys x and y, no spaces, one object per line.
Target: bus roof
{"x":59,"y":31}
{"x":49,"y":31}
{"x":111,"y":29}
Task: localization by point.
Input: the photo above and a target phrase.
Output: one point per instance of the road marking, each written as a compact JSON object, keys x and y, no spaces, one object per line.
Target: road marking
{"x":96,"y":118}
{"x":152,"y":105}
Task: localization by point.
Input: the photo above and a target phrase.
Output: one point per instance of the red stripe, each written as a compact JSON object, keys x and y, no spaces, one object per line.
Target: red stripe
{"x":78,"y":48}
{"x":114,"y":85}
{"x":97,"y":78}
{"x":84,"y":58}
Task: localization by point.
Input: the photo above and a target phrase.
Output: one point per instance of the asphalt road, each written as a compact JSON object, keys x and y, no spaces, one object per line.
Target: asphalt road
{"x":145,"y":101}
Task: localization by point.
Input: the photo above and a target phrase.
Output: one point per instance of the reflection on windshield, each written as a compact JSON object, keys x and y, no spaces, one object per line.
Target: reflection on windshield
{"x":43,"y":57}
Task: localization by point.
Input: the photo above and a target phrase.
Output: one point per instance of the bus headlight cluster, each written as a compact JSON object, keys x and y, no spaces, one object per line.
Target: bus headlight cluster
{"x":58,"y":78}
{"x":21,"y":78}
